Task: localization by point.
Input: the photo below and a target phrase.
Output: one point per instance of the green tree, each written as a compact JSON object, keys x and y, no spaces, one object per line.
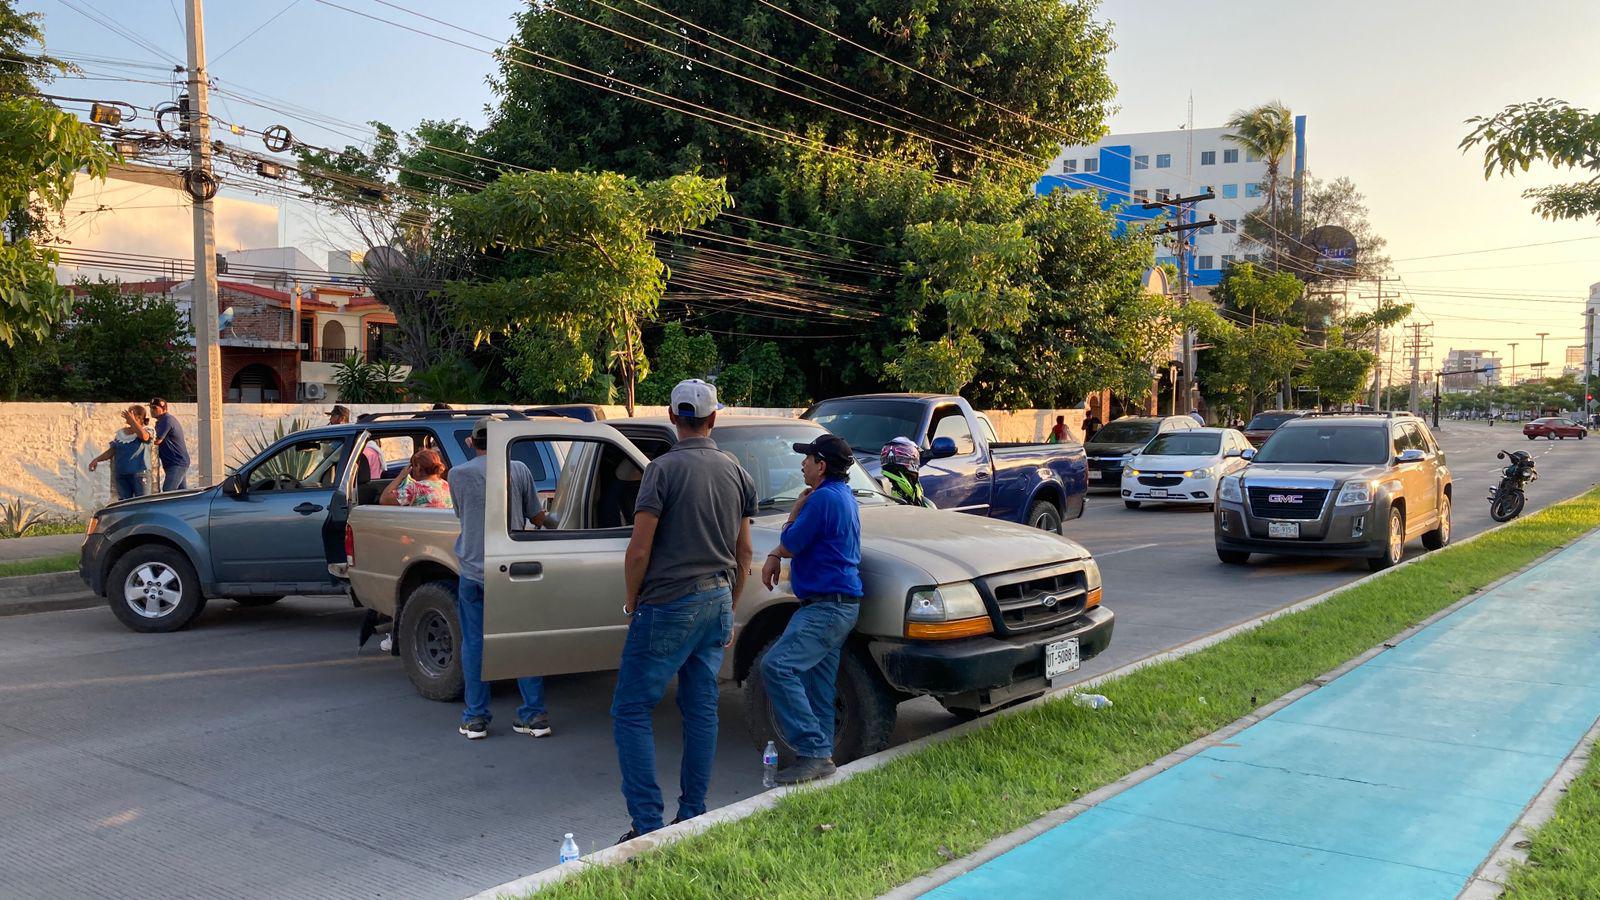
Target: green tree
{"x":1267,"y":295}
{"x":118,"y":345}
{"x":1267,"y":130}
{"x":680,"y":355}
{"x":1549,"y":131}
{"x":21,"y":67}
{"x":1243,"y":363}
{"x":592,"y":271}
{"x":1336,"y":202}
{"x":1339,"y":374}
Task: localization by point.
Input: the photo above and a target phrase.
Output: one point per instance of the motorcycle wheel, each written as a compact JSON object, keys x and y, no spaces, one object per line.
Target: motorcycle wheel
{"x":1507,"y":505}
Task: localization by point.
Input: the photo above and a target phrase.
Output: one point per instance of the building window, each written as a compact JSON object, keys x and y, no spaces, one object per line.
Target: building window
{"x":1227,"y":260}
{"x":1092,"y":164}
{"x":1208,"y":157}
{"x":1209,"y":229}
{"x":308,"y":336}
{"x":1141,"y":162}
{"x":1230,"y":191}
{"x":1252,"y":189}
{"x":1230,"y":156}
{"x":1141,"y":195}
{"x":1230,"y":226}
{"x":1252,"y":257}
{"x":1206,"y":262}
{"x":383,"y":340}
{"x":1252,"y":156}
{"x":1163,"y":193}
{"x":1069,"y":166}
{"x":1163,"y":160}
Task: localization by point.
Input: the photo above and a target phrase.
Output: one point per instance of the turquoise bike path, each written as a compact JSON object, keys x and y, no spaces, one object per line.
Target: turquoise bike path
{"x":1396,"y":780}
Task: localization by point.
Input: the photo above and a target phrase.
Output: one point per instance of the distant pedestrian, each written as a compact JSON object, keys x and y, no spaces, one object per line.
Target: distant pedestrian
{"x":1195,"y":415}
{"x":339,"y":415}
{"x":1091,"y":424}
{"x":685,"y":568}
{"x":170,"y":447}
{"x":129,"y":452}
{"x":468,"y":484}
{"x":420,"y":483}
{"x":823,"y":538}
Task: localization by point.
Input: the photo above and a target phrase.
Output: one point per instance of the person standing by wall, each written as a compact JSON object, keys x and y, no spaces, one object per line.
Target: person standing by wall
{"x":467,"y":483}
{"x":339,"y":415}
{"x":823,"y":538}
{"x":1058,"y":431}
{"x":685,"y":568}
{"x":170,"y":447}
{"x":129,"y":453}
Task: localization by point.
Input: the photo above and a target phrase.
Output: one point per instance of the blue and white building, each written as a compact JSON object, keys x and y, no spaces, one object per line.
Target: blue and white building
{"x":1131,"y":169}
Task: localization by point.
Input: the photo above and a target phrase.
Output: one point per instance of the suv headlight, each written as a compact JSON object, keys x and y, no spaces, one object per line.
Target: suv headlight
{"x":1355,"y":493}
{"x":1229,"y":490}
{"x":1200,"y":473}
{"x":947,"y":611}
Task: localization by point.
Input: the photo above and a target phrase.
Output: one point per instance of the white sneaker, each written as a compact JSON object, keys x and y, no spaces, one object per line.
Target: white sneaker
{"x":387,"y":644}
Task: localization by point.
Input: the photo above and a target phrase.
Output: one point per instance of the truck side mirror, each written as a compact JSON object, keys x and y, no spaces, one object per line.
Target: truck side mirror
{"x":942,"y":448}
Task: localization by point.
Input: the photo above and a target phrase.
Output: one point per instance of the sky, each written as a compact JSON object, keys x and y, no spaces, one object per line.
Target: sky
{"x":1385,"y":86}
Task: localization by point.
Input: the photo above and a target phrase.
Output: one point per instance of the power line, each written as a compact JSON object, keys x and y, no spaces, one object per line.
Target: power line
{"x":1497,"y":249}
{"x":235,"y":45}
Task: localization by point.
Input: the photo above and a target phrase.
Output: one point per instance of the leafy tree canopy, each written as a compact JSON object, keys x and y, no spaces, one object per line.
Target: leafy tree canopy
{"x":1549,"y":131}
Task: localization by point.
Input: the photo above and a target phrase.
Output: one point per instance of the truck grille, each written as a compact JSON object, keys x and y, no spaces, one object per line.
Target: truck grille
{"x":1287,"y":503}
{"x":1161,"y":480}
{"x":1028,"y":603}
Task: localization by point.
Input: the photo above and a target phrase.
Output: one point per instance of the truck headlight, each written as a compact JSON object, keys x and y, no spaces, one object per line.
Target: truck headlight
{"x":1091,"y":581}
{"x":1229,"y":490}
{"x":1355,"y":493}
{"x":947,"y":611}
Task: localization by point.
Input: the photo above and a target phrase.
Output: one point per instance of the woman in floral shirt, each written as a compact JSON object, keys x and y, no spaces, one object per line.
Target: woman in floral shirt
{"x":420,"y":484}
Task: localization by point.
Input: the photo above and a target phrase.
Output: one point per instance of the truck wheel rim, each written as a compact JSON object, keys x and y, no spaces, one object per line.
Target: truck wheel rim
{"x":437,"y":647}
{"x":1397,"y":536}
{"x":153,"y":590}
{"x":1047,"y":520}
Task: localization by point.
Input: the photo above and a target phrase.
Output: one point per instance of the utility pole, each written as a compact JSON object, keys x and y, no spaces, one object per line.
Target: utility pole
{"x":1588,"y":357}
{"x":1513,"y":369}
{"x":203,"y":311}
{"x":1542,"y":336}
{"x":1184,"y":207}
{"x":1415,"y":347}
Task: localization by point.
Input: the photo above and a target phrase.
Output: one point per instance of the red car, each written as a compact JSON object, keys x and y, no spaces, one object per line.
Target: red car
{"x":1265,"y":423}
{"x":1552,"y":427}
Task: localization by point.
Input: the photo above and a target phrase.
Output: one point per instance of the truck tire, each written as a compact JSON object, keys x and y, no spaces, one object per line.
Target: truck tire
{"x":865,"y":703}
{"x":430,"y":639}
{"x":1045,"y":516}
{"x":153,"y":588}
{"x":255,"y":601}
{"x":1392,"y":552}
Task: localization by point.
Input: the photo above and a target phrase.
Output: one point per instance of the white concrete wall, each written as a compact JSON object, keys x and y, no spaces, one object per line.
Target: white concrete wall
{"x":47,"y":446}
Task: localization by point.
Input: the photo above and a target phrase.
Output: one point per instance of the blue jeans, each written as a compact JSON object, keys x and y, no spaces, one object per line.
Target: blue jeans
{"x":683,"y":638}
{"x":174,"y":478}
{"x":801,"y":670}
{"x":469,"y":606}
{"x":132,"y":484}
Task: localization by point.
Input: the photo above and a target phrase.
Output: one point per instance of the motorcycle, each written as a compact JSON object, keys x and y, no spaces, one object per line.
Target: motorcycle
{"x":1506,"y":500}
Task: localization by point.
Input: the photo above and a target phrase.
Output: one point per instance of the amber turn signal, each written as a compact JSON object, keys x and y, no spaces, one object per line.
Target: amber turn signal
{"x":1094,"y":598}
{"x":943,"y":631}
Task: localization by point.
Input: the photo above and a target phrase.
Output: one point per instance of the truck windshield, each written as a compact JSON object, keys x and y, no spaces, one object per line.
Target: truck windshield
{"x":866,"y":425}
{"x":767,"y":453}
{"x":1125,"y":433}
{"x":1352,"y":445}
{"x":1180,"y":443}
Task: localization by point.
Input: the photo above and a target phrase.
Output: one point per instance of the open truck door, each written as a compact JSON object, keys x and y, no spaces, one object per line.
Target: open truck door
{"x":553,"y":596}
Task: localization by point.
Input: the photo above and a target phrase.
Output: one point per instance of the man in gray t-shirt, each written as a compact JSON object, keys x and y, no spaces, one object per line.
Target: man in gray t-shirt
{"x":468,"y":482}
{"x":685,"y":566}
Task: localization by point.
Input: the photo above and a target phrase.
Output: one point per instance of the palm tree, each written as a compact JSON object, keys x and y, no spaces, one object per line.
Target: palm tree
{"x":1268,"y":131}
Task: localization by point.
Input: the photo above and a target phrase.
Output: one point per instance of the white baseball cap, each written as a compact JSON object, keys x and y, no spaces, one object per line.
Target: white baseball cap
{"x":693,"y":397}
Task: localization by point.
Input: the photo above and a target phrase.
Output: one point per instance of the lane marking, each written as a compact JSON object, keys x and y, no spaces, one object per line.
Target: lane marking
{"x":1124,"y":550}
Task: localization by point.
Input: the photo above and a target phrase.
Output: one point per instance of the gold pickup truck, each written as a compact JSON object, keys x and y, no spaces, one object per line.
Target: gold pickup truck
{"x":975,"y":612}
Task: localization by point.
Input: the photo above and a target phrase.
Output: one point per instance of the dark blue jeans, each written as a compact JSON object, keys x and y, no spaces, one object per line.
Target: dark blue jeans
{"x":174,"y":478}
{"x":469,"y":607}
{"x":683,"y":638}
{"x":801,"y":670}
{"x":132,"y":484}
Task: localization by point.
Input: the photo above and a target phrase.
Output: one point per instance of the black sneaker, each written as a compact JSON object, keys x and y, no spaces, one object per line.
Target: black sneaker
{"x":806,"y":768}
{"x":475,"y":729}
{"x":539,"y":727}
{"x":627,"y":836}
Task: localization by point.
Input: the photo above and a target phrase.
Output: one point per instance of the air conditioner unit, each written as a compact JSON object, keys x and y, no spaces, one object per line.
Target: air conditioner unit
{"x":314,"y":391}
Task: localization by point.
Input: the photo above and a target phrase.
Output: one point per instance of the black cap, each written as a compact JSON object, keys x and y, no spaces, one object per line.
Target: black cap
{"x":832,"y":450}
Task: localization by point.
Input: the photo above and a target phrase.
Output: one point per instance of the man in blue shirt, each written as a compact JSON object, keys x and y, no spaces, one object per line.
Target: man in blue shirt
{"x":170,"y":447}
{"x":823,"y":538}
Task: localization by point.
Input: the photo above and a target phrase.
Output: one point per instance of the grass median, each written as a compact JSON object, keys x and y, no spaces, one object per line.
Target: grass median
{"x":887,"y":826}
{"x":1564,"y":858}
{"x":65,"y":562}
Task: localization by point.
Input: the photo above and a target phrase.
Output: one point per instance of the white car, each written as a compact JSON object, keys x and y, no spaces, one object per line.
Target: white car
{"x":1184,"y":466}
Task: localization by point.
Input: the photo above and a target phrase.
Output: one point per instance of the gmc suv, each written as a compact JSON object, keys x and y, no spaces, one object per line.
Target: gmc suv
{"x":1338,"y":485}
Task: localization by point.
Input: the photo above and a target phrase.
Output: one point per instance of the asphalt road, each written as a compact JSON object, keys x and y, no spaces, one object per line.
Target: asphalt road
{"x":257,"y":755}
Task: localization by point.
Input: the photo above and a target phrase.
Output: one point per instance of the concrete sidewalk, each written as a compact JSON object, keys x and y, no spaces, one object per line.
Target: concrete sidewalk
{"x":12,"y":549}
{"x":1396,"y":780}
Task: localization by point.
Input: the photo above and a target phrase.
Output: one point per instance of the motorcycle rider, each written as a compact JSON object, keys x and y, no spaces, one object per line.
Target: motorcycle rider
{"x":900,"y":461}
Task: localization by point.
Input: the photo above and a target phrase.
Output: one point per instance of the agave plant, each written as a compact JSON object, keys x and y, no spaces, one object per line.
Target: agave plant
{"x":262,"y":439}
{"x":18,"y":517}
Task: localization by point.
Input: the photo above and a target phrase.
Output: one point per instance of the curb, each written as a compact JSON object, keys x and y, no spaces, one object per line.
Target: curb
{"x":50,"y":592}
{"x":744,"y":808}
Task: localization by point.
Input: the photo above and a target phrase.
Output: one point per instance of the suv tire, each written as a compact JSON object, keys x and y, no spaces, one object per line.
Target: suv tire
{"x":429,"y":641}
{"x":1393,"y":551}
{"x":1440,"y":536}
{"x":866,"y":708}
{"x":1233,"y":557}
{"x":153,"y":589}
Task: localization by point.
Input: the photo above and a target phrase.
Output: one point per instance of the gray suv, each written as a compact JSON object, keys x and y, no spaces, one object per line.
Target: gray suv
{"x":1338,"y":485}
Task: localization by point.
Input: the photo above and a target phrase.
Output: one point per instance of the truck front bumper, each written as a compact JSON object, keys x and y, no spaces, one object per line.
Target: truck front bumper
{"x":987,"y":663}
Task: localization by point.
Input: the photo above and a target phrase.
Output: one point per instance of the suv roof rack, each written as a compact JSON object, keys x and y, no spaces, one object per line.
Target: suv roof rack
{"x":426,"y":414}
{"x":1383,"y":414}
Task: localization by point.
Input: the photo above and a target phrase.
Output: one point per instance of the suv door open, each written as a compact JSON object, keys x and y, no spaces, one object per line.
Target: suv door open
{"x":553,"y":597}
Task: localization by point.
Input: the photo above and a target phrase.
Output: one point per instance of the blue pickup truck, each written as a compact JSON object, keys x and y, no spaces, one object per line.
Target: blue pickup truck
{"x":964,"y":468}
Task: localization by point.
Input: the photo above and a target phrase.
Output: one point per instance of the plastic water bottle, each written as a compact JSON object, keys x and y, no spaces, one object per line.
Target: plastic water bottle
{"x":1091,"y":701}
{"x":569,"y":849}
{"x":769,"y":765}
